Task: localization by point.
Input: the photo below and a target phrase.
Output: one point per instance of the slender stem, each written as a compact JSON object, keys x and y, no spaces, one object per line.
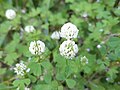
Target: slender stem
{"x":89,"y":80}
{"x":16,"y":3}
{"x":9,"y":80}
{"x":67,"y":62}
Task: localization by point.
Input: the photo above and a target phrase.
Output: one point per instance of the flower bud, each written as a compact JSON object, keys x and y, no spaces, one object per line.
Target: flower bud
{"x":10,"y":14}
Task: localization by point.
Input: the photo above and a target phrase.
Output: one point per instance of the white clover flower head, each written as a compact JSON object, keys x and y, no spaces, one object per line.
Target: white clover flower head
{"x":10,"y":14}
{"x":29,"y":29}
{"x":99,"y":46}
{"x":68,"y":49}
{"x":84,"y":60}
{"x":55,"y":35}
{"x":69,"y":31}
{"x":37,"y":47}
{"x":20,"y":69}
{"x":85,"y":15}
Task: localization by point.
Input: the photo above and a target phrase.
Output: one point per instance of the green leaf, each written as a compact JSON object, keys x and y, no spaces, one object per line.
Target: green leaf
{"x":23,"y":49}
{"x":21,"y":83}
{"x":42,"y":87}
{"x":11,"y":47}
{"x":60,"y":87}
{"x":10,"y":58}
{"x":71,"y":83}
{"x":4,"y":27}
{"x":87,"y":69}
{"x":112,"y":56}
{"x":2,"y":71}
{"x":32,"y":78}
{"x":35,"y":68}
{"x":112,"y":72}
{"x":96,"y":87}
{"x":54,"y":85}
{"x":6,"y":87}
{"x":114,"y":42}
{"x":103,"y":50}
{"x":48,"y":78}
{"x":47,"y":65}
{"x":117,"y":52}
{"x":26,"y":81}
{"x":60,"y":76}
{"x":73,"y":67}
{"x":16,"y":37}
{"x":69,"y":1}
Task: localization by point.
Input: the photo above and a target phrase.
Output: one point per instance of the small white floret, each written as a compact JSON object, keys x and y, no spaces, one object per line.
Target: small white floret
{"x":29,"y":29}
{"x":108,"y":79}
{"x":55,"y":35}
{"x":98,"y":46}
{"x":28,"y":70}
{"x":88,"y":49}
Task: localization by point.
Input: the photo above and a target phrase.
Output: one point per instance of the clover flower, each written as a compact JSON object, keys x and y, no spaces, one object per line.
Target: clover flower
{"x":55,"y":35}
{"x":10,"y":14}
{"x":69,"y":31}
{"x":37,"y":47}
{"x":21,"y":69}
{"x":29,"y":29}
{"x":99,"y":46}
{"x":68,"y":49}
{"x":84,"y":60}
